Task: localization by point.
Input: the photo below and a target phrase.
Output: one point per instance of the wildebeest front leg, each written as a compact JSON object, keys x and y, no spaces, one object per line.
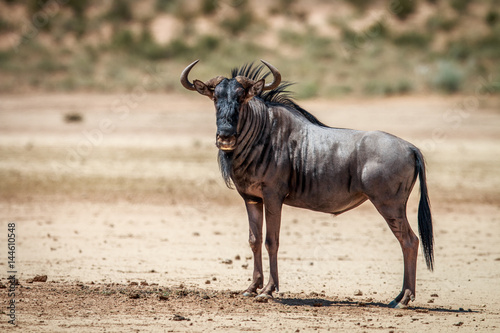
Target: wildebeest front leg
{"x":273,"y":222}
{"x":255,"y":220}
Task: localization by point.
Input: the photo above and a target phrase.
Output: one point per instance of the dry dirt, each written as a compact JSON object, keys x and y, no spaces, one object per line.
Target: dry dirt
{"x":126,"y":214}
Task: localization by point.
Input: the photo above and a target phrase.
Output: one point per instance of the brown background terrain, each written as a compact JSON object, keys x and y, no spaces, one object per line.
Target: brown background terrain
{"x":131,"y":194}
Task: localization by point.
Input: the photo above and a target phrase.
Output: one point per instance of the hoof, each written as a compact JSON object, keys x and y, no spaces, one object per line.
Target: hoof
{"x":249,"y":294}
{"x":397,"y":305}
{"x":264,"y":296}
{"x":400,"y":306}
{"x":403,"y":302}
{"x":261,"y":299}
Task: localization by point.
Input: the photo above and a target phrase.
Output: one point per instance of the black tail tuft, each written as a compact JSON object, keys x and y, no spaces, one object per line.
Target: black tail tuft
{"x":424,"y":212}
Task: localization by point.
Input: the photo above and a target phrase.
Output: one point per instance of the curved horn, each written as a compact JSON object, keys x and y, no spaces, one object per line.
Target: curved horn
{"x":184,"y":76}
{"x":277,"y":76}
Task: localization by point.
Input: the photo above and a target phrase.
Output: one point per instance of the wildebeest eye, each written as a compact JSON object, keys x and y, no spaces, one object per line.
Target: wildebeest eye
{"x":239,"y":91}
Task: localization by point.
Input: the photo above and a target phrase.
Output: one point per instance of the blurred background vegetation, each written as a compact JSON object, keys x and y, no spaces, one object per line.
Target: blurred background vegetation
{"x":330,"y":48}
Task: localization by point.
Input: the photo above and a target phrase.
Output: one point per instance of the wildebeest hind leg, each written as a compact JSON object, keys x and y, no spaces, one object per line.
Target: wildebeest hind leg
{"x":395,"y":215}
{"x":255,"y":220}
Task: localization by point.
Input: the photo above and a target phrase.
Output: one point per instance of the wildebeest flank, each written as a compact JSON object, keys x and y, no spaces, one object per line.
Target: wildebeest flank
{"x":275,"y":153}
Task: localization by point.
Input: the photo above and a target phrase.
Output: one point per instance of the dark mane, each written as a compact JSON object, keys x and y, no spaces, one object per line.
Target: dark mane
{"x":278,"y":96}
{"x":250,"y":71}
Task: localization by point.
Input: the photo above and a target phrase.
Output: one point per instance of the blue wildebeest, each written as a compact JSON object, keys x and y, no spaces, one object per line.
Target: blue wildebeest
{"x":275,"y":153}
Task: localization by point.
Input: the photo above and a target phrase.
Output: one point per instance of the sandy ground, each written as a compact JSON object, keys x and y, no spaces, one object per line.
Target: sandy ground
{"x":126,"y":214}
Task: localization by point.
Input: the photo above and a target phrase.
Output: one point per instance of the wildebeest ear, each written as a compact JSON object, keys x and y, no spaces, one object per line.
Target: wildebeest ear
{"x":203,"y":89}
{"x":255,"y":89}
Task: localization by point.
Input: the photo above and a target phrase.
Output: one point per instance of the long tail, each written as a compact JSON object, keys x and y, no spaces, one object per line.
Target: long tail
{"x":424,"y":212}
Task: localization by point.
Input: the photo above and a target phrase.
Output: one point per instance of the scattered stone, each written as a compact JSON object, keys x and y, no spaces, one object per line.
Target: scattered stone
{"x":73,"y":117}
{"x":398,"y":315}
{"x":461,"y":309}
{"x":361,"y":304}
{"x":180,"y":318}
{"x":422,"y":310}
{"x":133,"y":283}
{"x":460,"y":323}
{"x":434,"y":295}
{"x":318,"y":304}
{"x":163,"y":297}
{"x":237,"y":257}
{"x":205,"y":296}
{"x":144,"y":283}
{"x":227,"y":261}
{"x":358,"y":293}
{"x":196,"y":234}
{"x":2,"y":286}
{"x":245,"y":266}
{"x":430,"y":301}
{"x":207,"y":282}
{"x":40,"y":278}
{"x":134,"y":296}
{"x":214,"y":279}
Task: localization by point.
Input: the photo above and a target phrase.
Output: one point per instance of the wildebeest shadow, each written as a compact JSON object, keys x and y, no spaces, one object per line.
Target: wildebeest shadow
{"x":320,"y":302}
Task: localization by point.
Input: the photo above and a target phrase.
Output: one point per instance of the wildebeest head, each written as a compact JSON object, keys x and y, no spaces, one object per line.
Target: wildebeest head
{"x":229,"y":95}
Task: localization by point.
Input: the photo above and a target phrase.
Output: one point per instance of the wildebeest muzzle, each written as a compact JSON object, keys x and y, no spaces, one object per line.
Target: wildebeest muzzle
{"x":226,"y":142}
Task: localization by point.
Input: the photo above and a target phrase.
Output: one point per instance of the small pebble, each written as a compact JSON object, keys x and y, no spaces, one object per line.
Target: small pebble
{"x":40,"y":278}
{"x":358,"y":293}
{"x":180,"y":318}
